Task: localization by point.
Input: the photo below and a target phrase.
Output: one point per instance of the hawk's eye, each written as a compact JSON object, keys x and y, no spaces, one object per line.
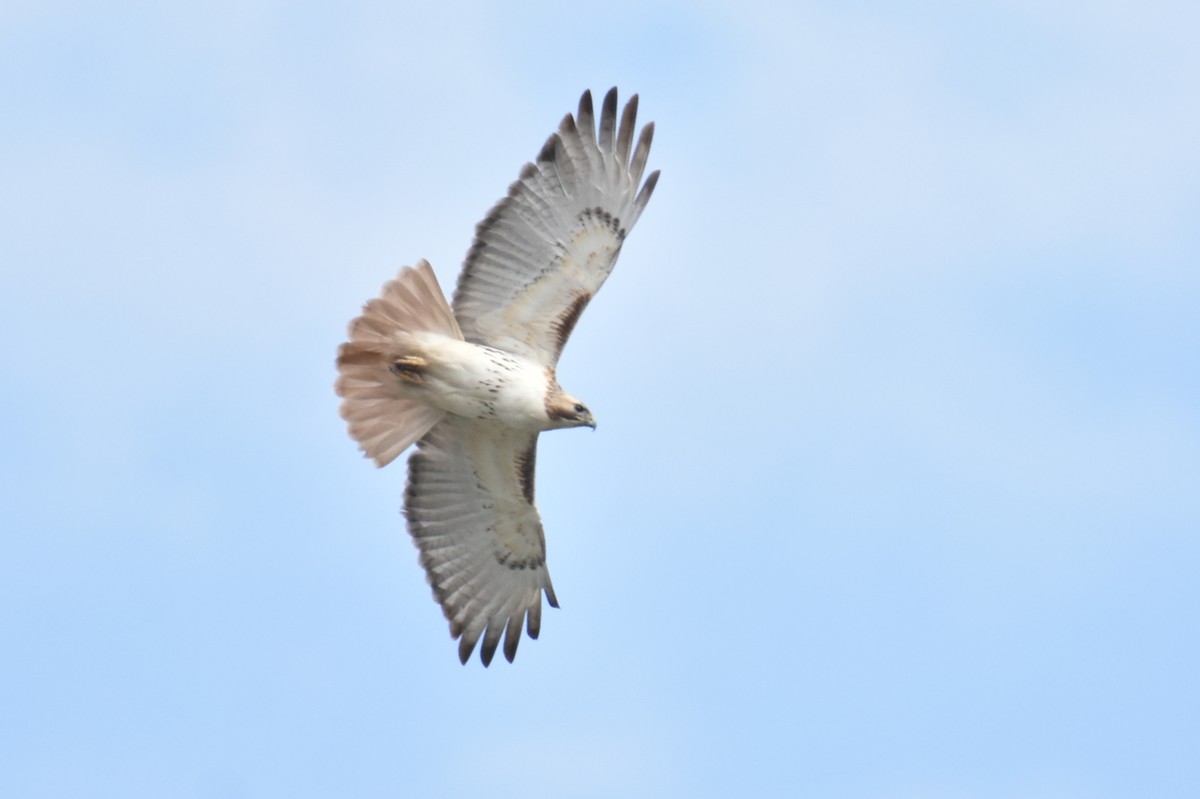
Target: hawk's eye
{"x":579,"y":408}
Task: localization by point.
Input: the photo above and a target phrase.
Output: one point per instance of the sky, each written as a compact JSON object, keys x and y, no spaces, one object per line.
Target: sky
{"x":895,"y":492}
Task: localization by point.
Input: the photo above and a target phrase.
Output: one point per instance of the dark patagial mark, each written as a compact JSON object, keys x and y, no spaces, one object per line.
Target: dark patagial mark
{"x":526,"y":463}
{"x":568,"y":319}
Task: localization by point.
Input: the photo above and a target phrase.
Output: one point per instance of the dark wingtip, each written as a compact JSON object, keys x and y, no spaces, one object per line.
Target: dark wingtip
{"x":625,"y":130}
{"x":610,"y":103}
{"x":465,"y":648}
{"x":643,"y":196}
{"x":585,"y":104}
{"x":549,"y":150}
{"x":488,"y":651}
{"x":608,"y":121}
{"x":652,"y":181}
{"x":533,"y":622}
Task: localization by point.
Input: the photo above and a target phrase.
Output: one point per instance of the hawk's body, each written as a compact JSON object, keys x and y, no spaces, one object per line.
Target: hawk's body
{"x":474,"y":386}
{"x":473,"y":381}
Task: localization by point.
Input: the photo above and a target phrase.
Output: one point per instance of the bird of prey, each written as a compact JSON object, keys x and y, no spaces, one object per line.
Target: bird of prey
{"x":473,"y":384}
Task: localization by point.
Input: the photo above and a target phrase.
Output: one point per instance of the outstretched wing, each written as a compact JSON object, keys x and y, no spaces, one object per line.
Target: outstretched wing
{"x":470,"y":511}
{"x":544,"y":250}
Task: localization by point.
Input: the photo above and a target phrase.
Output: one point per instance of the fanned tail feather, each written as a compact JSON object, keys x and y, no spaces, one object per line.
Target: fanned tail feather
{"x":381,"y":419}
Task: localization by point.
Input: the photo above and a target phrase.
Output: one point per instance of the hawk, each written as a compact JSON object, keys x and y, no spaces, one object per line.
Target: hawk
{"x":473,"y":384}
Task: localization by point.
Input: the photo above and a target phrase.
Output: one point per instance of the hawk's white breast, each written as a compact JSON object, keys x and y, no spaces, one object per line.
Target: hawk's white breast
{"x":479,"y":382}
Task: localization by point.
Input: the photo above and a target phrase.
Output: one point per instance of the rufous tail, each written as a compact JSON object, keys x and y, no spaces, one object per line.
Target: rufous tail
{"x":372,"y":368}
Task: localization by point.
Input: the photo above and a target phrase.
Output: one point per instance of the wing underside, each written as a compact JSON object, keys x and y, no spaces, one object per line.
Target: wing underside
{"x":470,"y":511}
{"x":544,"y":251}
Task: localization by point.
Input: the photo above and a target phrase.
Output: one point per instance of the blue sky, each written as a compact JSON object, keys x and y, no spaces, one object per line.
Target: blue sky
{"x":896,"y":486}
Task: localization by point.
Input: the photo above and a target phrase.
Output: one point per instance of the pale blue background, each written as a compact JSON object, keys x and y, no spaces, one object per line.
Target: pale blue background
{"x":896,"y":487}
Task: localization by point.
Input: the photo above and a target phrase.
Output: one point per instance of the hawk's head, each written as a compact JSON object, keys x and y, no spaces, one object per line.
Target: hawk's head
{"x":564,"y":410}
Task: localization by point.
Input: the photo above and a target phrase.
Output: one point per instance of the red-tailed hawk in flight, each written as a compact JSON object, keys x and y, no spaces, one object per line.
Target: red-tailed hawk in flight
{"x":473,"y":386}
